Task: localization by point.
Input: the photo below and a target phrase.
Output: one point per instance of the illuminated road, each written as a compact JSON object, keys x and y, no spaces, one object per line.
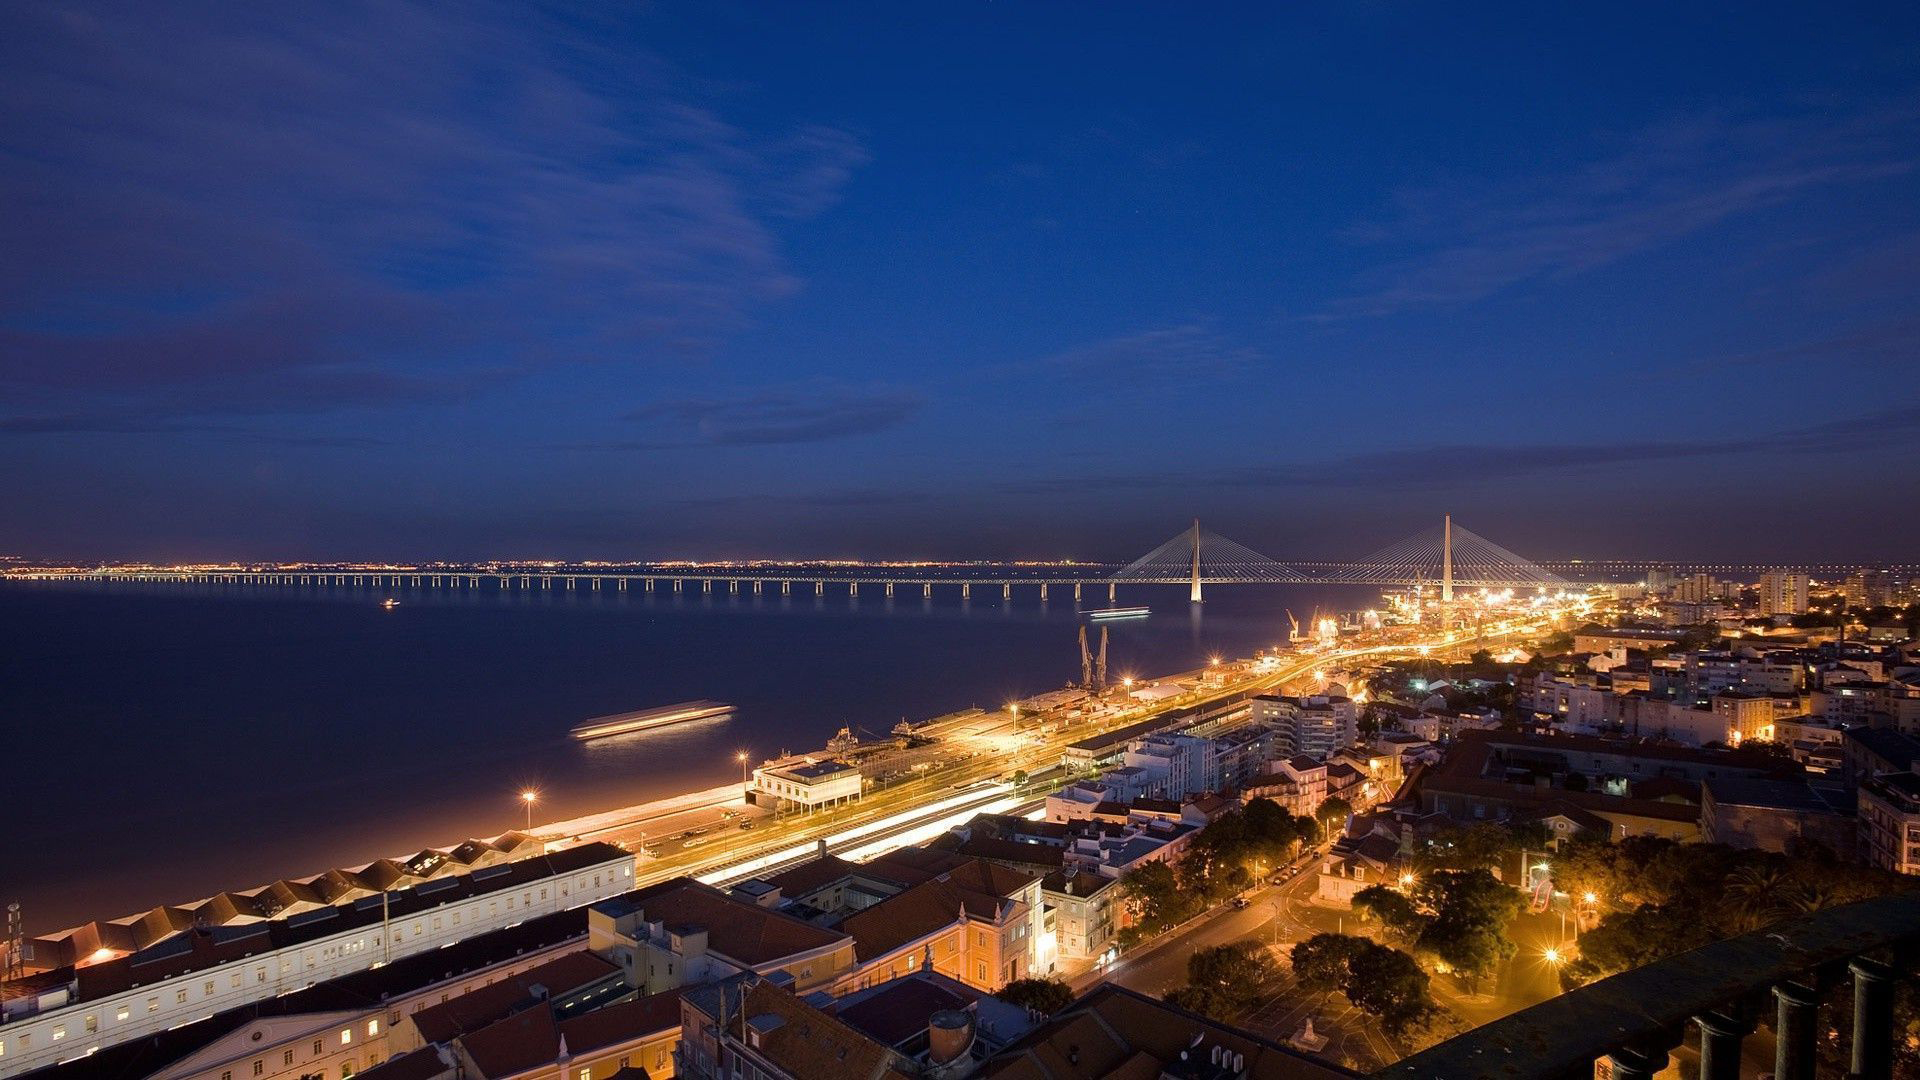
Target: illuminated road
{"x":914,"y":810}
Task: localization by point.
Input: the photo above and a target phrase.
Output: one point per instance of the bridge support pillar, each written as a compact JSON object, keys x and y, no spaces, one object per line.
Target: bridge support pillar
{"x":756,"y":586}
{"x":786,"y":588}
{"x":926,"y":591}
{"x":1076,"y":592}
{"x":677,"y":583}
{"x":1110,"y":591}
{"x":1720,"y":1037}
{"x":1873,"y":984}
{"x":853,"y":589}
{"x":571,"y":582}
{"x":1043,"y":592}
{"x":819,"y":588}
{"x":623,"y":585}
{"x":1006,"y":590}
{"x":1795,"y":1028}
{"x":706,"y":585}
{"x":966,"y":590}
{"x":889,"y":590}
{"x":733,"y":586}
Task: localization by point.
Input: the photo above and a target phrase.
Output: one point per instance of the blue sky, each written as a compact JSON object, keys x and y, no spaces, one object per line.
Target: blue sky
{"x":1001,"y":279}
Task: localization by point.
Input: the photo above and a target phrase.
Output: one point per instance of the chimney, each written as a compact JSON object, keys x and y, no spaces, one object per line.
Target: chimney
{"x":949,"y":1036}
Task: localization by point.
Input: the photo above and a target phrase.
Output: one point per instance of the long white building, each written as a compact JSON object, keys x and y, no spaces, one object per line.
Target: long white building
{"x":194,"y":972}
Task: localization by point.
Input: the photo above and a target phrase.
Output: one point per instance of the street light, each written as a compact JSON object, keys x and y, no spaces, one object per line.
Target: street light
{"x":529,"y":797}
{"x":1551,"y":955}
{"x":745,"y":777}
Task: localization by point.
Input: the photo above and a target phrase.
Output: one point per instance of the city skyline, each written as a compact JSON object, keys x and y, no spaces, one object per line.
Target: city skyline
{"x":757,"y":282}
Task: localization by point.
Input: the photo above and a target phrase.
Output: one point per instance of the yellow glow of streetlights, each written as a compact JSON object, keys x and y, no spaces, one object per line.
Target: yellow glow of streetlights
{"x":1550,"y":955}
{"x":529,"y":797}
{"x":1213,"y":661}
{"x":1406,"y":880}
{"x":1127,"y":682}
{"x":1588,"y":897}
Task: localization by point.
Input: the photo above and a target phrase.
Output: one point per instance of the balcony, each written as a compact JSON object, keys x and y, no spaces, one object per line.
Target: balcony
{"x":1633,"y":1020}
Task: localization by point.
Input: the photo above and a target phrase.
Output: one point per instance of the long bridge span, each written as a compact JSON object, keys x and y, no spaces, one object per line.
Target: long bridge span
{"x":1445,"y":557}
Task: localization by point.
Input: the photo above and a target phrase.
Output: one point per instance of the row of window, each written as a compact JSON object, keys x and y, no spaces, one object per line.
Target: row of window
{"x":123,"y":1011}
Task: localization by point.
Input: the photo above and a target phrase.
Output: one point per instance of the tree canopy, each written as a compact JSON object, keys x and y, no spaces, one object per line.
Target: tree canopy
{"x":1046,"y":996}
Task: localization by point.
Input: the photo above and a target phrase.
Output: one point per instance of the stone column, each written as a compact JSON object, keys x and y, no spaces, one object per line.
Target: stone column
{"x":1872,"y":1019}
{"x":1796,"y":1014}
{"x":1720,"y":1039}
{"x":1631,"y":1064}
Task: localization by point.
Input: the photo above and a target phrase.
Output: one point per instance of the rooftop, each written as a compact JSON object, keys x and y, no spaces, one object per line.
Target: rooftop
{"x":747,"y":933}
{"x":1113,"y":1032}
{"x":977,"y":888}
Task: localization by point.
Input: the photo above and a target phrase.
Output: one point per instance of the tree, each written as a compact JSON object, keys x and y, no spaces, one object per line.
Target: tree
{"x":1381,"y":981}
{"x":1158,"y":898}
{"x":1391,"y":909}
{"x":1045,"y":996}
{"x":1472,"y":911}
{"x":1320,"y":962}
{"x":1389,"y":985}
{"x":1332,"y":812}
{"x":1225,"y":980}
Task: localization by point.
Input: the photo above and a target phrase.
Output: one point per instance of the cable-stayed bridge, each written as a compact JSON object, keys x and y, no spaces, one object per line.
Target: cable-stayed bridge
{"x":1445,"y":556}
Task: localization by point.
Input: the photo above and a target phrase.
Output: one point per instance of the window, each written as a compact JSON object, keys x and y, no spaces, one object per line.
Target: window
{"x":286,"y":1056}
{"x":346,"y":1070}
{"x":153,"y":1004}
{"x":228,"y":1075}
{"x":318,"y":1048}
{"x":59,"y":1033}
{"x":259,"y":1066}
{"x":346,"y":1036}
{"x":93,"y":1023}
{"x":180,"y":996}
{"x":373,"y":1028}
{"x":236,"y":980}
{"x":260,"y":973}
{"x":121,"y":1013}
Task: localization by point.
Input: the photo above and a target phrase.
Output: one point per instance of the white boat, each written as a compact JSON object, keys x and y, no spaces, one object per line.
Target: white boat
{"x":1104,"y":614}
{"x":647,"y":719}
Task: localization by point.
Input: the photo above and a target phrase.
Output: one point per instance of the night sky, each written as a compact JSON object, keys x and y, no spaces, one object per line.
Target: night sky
{"x":971,"y":279}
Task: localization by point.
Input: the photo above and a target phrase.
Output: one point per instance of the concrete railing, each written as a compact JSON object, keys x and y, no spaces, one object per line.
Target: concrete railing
{"x":1634,"y":1019}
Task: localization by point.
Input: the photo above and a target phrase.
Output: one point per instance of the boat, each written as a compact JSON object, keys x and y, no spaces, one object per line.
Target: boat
{"x":390,"y":603}
{"x":1105,"y":614}
{"x":647,"y":719}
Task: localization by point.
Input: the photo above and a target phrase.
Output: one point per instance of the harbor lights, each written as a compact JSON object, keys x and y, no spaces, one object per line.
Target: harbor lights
{"x":745,"y":777}
{"x":529,"y":797}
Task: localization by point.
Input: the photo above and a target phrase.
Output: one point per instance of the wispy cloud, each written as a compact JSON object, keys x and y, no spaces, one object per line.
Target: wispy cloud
{"x":409,"y":190}
{"x":767,"y":418}
{"x":1456,"y":464}
{"x":1470,"y":242}
{"x":1891,"y":342}
{"x":1192,"y":349}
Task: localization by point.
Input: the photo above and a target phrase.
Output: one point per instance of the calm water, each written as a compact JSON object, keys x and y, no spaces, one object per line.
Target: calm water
{"x":163,"y":742}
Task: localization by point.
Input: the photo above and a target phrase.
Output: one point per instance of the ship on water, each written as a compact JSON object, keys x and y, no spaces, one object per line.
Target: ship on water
{"x":1104,"y":614}
{"x":601,"y":727}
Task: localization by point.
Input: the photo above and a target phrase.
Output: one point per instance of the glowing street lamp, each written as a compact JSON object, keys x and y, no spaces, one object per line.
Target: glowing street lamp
{"x":1551,"y":955}
{"x":741,"y":757}
{"x":529,"y":797}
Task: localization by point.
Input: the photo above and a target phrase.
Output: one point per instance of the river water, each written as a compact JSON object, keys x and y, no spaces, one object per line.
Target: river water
{"x":159,"y":743}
